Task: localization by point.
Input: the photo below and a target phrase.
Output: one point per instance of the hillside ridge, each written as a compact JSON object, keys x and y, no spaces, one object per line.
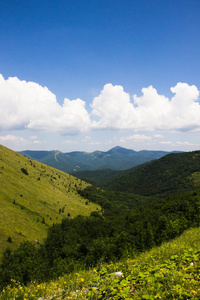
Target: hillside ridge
{"x":172,"y":173}
{"x":34,"y":196}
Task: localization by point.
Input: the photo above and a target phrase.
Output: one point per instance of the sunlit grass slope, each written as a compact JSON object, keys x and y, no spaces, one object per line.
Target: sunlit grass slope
{"x":33,"y":196}
{"x":170,"y":271}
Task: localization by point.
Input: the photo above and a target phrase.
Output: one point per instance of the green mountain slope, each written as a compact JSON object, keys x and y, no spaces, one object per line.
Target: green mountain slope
{"x":172,"y":173}
{"x":33,"y":196}
{"x":117,"y":158}
{"x":99,"y":177}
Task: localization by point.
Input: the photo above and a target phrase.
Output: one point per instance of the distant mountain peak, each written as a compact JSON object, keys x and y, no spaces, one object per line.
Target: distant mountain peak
{"x":119,"y":149}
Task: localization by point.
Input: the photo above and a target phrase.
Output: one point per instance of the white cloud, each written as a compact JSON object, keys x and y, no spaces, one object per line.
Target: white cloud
{"x":86,"y":138}
{"x":114,"y":108}
{"x":158,"y":136}
{"x":12,"y":138}
{"x":148,"y":112}
{"x":166,"y":143}
{"x":29,"y":105}
{"x":37,"y":142}
{"x":136,"y":137}
{"x":185,"y":110}
{"x":95,"y":143}
{"x":18,"y":141}
{"x":187,"y":144}
{"x":70,"y":142}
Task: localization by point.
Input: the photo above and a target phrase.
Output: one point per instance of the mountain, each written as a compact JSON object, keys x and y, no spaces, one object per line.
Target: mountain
{"x":117,"y":158}
{"x":34,"y":196}
{"x":56,"y":159}
{"x":173,"y":173}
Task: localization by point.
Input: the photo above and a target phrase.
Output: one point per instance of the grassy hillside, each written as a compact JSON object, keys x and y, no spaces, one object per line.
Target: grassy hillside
{"x":170,"y":174}
{"x":33,"y":196}
{"x":170,"y":271}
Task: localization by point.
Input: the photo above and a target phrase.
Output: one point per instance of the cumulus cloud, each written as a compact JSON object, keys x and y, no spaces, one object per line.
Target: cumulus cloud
{"x":165,"y":143}
{"x":187,"y":144}
{"x":29,"y":105}
{"x":12,"y":138}
{"x":70,"y":142}
{"x":136,"y":137}
{"x":150,"y":111}
{"x":158,"y":136}
{"x":113,"y":107}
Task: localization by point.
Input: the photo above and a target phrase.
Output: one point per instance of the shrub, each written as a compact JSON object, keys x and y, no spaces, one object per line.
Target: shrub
{"x":9,"y":240}
{"x":24,"y":171}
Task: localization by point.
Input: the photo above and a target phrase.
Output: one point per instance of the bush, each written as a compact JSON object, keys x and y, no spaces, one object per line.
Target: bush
{"x":24,"y":171}
{"x":9,"y":240}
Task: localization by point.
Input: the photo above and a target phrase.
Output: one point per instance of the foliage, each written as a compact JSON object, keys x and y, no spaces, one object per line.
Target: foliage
{"x":167,"y":175}
{"x":170,"y":271}
{"x":84,"y":241}
{"x":126,"y":225}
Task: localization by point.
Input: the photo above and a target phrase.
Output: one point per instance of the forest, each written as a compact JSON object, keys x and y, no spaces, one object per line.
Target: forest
{"x":127,"y":225}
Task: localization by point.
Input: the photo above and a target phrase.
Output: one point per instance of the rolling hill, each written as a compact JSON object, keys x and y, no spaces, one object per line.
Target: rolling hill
{"x":173,"y":173}
{"x":34,"y":196}
{"x":117,"y":158}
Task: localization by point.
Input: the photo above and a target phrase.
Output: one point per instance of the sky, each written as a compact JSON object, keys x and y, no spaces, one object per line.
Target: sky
{"x":94,"y":74}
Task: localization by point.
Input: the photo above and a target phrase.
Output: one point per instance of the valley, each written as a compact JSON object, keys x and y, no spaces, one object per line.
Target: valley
{"x":65,"y":225}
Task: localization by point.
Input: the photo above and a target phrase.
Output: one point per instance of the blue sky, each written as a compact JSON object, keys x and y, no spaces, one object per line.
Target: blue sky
{"x":88,"y":75}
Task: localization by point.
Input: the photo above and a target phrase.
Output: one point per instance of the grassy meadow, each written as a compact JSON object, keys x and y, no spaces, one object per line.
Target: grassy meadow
{"x":170,"y":271}
{"x":34,"y":196}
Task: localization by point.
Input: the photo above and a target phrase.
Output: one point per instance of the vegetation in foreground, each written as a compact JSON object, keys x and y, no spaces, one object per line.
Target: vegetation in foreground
{"x":170,"y":271}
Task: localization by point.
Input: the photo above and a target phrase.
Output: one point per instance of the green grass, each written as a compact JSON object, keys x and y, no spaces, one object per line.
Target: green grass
{"x":170,"y":271}
{"x":29,"y":204}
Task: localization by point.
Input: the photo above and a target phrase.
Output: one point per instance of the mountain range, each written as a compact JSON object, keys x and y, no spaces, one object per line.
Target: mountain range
{"x":172,"y":173}
{"x":117,"y":158}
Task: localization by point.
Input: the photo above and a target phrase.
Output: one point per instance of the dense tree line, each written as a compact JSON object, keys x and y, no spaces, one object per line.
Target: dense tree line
{"x":167,"y":175}
{"x":121,"y":228}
